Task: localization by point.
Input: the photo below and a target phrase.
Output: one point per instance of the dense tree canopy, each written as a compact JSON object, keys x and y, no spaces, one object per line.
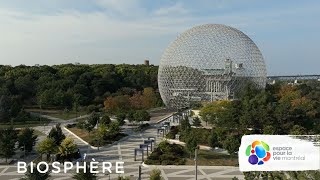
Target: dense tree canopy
{"x":70,"y":86}
{"x":280,"y":109}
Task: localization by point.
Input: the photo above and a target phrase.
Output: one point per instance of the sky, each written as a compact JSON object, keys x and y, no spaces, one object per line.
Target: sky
{"x":129,"y":31}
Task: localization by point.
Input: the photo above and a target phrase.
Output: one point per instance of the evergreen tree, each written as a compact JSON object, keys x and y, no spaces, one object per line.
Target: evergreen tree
{"x":231,"y":144}
{"x":196,"y":122}
{"x":8,"y":138}
{"x":56,"y":134}
{"x":191,"y":144}
{"x":213,"y":139}
{"x":105,"y":119}
{"x":27,"y":139}
{"x":120,"y":118}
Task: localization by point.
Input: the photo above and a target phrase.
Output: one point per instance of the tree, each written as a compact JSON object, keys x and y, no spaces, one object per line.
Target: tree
{"x":114,"y":129}
{"x":93,"y":119}
{"x":105,"y":119}
{"x":101,"y":133}
{"x":36,"y":175}
{"x":130,"y":116}
{"x":4,"y":108}
{"x":85,"y":174}
{"x":88,"y":126}
{"x":213,"y":139}
{"x":185,"y":124}
{"x":269,"y":129}
{"x":27,"y":139}
{"x":141,"y":115}
{"x":56,"y":134}
{"x":8,"y":138}
{"x":231,"y":144}
{"x":196,"y":122}
{"x":120,"y":118}
{"x":67,"y":148}
{"x":136,"y":101}
{"x":191,"y":144}
{"x":117,"y":103}
{"x":298,"y":130}
{"x":155,"y":174}
{"x":47,"y":146}
{"x":149,"y":98}
{"x":91,"y":122}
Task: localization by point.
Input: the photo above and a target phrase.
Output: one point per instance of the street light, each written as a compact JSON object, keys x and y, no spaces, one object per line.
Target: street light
{"x":195,"y":161}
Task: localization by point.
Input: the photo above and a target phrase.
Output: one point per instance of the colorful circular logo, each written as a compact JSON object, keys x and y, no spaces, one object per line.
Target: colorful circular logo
{"x":258,"y":152}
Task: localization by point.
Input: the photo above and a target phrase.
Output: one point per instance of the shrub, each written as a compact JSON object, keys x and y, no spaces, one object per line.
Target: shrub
{"x":167,"y":154}
{"x":174,"y":130}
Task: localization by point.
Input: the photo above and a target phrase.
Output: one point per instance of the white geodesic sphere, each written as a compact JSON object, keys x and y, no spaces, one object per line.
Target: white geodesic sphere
{"x":207,"y":63}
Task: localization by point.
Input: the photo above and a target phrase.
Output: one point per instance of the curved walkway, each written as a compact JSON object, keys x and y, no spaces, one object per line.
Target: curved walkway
{"x":124,"y":151}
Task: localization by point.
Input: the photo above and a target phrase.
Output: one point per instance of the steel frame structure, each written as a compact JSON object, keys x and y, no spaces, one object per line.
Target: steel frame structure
{"x":207,"y":63}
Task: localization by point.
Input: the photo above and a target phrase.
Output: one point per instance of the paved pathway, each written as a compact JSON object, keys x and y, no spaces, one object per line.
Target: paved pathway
{"x":123,"y":151}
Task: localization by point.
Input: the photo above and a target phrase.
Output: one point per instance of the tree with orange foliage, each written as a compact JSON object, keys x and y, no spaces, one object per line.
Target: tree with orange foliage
{"x":117,"y":104}
{"x":149,"y":99}
{"x":136,"y":100}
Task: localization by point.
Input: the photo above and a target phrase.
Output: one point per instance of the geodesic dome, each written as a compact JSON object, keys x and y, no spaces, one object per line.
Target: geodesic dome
{"x":207,"y":63}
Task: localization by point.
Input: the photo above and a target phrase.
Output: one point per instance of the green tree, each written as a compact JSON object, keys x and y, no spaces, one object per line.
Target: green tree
{"x":56,"y":134}
{"x":120,"y":118}
{"x":27,"y":139}
{"x":231,"y":144}
{"x":114,"y":129}
{"x":8,"y":138}
{"x":91,"y":122}
{"x":36,"y":175}
{"x":149,"y":98}
{"x":185,"y":124}
{"x":67,"y":148}
{"x":101,"y":133}
{"x":105,"y":119}
{"x":213,"y":139}
{"x":141,"y":115}
{"x":130,"y":116}
{"x":191,"y":144}
{"x":155,"y":174}
{"x":269,"y":129}
{"x":47,"y":146}
{"x":85,"y":174}
{"x":93,"y":119}
{"x":4,"y":108}
{"x":298,"y":130}
{"x":196,"y":122}
{"x":88,"y":126}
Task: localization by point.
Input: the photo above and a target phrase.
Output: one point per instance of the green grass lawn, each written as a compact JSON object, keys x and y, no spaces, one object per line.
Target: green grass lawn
{"x":25,"y":124}
{"x":57,"y":113}
{"x":210,"y":158}
{"x":66,"y":115}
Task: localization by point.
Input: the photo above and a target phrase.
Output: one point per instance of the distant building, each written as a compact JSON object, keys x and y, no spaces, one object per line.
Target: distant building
{"x":146,"y":62}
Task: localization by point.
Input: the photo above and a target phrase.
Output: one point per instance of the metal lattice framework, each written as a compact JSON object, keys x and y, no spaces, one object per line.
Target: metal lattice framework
{"x":207,"y":63}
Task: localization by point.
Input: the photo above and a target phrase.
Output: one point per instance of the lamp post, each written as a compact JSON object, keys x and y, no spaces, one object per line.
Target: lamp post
{"x":139,"y":178}
{"x":195,"y":161}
